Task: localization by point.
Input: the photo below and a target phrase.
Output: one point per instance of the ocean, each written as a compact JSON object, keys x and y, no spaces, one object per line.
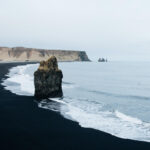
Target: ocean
{"x":113,"y":97}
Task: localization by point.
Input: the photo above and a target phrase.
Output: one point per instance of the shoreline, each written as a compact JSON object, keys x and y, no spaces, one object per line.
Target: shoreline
{"x":26,"y":126}
{"x":29,"y":62}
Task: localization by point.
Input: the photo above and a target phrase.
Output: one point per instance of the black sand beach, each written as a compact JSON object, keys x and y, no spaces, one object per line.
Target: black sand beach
{"x":24,"y":126}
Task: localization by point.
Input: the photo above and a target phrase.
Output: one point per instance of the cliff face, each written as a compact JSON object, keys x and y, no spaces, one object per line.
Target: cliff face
{"x":31,"y":54}
{"x":48,"y":80}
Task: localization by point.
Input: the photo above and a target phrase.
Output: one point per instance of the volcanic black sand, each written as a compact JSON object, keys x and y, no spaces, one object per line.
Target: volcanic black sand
{"x":24,"y":126}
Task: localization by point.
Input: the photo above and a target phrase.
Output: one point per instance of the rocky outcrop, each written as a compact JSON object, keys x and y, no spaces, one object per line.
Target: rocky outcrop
{"x":102,"y":60}
{"x":36,"y":55}
{"x":48,"y":80}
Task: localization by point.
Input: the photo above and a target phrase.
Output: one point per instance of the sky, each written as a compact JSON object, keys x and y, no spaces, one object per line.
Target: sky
{"x":118,"y":30}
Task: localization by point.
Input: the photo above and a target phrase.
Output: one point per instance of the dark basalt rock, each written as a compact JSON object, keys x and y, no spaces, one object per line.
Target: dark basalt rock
{"x":102,"y":60}
{"x":48,"y":80}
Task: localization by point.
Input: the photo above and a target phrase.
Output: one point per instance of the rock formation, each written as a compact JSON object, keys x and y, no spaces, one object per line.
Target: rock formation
{"x":102,"y":60}
{"x":36,"y":55}
{"x":48,"y":80}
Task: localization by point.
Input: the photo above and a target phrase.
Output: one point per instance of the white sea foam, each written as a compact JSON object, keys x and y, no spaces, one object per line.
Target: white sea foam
{"x":112,"y":122}
{"x":57,"y":100}
{"x":115,"y":122}
{"x":124,"y":117}
{"x":19,"y":81}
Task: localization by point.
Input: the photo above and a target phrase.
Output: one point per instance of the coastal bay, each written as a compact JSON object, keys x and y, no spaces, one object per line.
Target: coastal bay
{"x":26,"y":126}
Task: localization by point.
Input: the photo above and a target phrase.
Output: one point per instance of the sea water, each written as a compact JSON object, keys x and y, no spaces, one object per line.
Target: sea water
{"x":113,"y":97}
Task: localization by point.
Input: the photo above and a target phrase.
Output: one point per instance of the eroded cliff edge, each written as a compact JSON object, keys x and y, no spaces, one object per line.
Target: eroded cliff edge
{"x":32,"y":54}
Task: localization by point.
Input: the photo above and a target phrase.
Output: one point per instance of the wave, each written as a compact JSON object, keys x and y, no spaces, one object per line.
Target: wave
{"x":119,"y":95}
{"x":21,"y":82}
{"x":127,"y":118}
{"x":64,"y":82}
{"x":113,"y":122}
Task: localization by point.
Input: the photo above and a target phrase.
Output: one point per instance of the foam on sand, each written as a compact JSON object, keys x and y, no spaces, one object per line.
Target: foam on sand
{"x":112,"y":122}
{"x":115,"y":123}
{"x":19,"y":81}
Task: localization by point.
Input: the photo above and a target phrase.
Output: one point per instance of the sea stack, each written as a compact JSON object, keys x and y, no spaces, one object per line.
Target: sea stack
{"x":48,"y":80}
{"x":102,"y":60}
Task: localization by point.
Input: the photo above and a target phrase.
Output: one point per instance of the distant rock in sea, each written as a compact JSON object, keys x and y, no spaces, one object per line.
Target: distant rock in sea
{"x":48,"y":80}
{"x":35,"y":55}
{"x":102,"y":60}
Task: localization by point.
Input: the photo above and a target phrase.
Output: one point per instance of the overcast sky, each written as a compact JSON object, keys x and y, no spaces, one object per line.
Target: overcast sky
{"x":116,"y":29}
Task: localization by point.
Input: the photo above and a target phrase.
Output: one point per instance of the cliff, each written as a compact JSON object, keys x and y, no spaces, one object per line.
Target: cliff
{"x":31,"y":54}
{"x":48,"y":80}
